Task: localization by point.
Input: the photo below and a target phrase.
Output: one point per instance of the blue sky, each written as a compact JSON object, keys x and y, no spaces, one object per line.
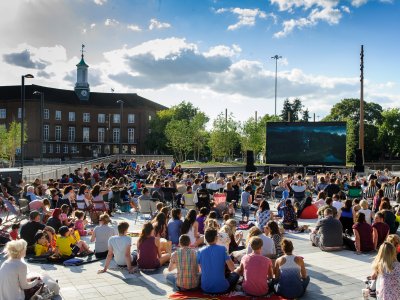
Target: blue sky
{"x":213,"y":53}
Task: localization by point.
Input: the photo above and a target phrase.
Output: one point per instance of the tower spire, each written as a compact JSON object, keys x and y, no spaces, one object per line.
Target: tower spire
{"x":82,"y":50}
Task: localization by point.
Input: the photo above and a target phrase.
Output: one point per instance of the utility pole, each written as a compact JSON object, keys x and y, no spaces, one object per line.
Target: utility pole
{"x":276,"y":57}
{"x":256,"y":117}
{"x":361,"y":133}
{"x":314,"y":117}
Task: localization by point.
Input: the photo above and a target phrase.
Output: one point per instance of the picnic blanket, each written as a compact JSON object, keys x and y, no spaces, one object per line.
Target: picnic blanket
{"x":232,"y":296}
{"x":76,"y":261}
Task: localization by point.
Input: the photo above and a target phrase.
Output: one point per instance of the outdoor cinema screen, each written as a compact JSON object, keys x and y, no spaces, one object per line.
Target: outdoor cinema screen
{"x":306,"y":143}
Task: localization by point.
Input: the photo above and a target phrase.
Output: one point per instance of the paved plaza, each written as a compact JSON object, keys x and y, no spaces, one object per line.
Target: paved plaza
{"x":335,"y":275}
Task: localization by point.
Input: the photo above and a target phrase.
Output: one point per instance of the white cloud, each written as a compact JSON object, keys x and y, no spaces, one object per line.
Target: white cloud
{"x":111,"y":22}
{"x":133,"y":27}
{"x":358,"y":3}
{"x":99,"y":2}
{"x":92,"y":26}
{"x":346,"y":9}
{"x":155,"y":24}
{"x":246,"y":17}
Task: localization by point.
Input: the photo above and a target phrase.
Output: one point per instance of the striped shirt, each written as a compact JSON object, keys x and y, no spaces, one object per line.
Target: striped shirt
{"x":187,"y":267}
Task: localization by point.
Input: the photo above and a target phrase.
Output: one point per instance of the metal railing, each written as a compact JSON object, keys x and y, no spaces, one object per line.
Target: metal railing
{"x":56,"y":172}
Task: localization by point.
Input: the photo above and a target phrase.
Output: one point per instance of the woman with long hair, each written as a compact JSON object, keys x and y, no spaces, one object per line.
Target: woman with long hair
{"x":190,"y":227}
{"x":363,"y":234}
{"x":160,"y":225}
{"x":149,"y":250}
{"x":263,"y":214}
{"x":307,"y":210}
{"x":386,"y":271}
{"x":377,"y":200}
{"x":276,"y":236}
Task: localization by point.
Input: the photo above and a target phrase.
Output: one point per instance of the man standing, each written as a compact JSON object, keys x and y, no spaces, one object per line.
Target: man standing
{"x":327,"y":235}
{"x":212,"y":260}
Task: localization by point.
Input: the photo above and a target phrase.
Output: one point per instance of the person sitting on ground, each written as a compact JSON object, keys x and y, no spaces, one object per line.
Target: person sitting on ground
{"x":369,"y":215}
{"x":386,"y":272}
{"x":212,"y":260}
{"x":256,"y":270}
{"x":14,"y":233}
{"x":290,"y":273}
{"x":307,"y":210}
{"x":54,"y":221}
{"x":275,"y":234}
{"x":263,"y":214}
{"x":201,"y":217}
{"x":68,"y":246}
{"x":320,"y":199}
{"x":235,"y":237}
{"x":289,"y":220}
{"x":29,"y":229}
{"x":332,"y":188}
{"x":202,"y":197}
{"x":363,"y":235}
{"x":120,"y":247}
{"x":190,"y":227}
{"x":65,"y":220}
{"x":13,"y":272}
{"x":184,"y":259}
{"x":268,"y":246}
{"x":149,"y":249}
{"x":160,"y":226}
{"x":327,"y":234}
{"x":80,"y":223}
{"x":174,"y":226}
{"x":101,"y":234}
{"x":346,"y":217}
{"x":328,"y":204}
{"x":299,"y":189}
{"x":389,"y":216}
{"x":42,"y":245}
{"x":380,"y":230}
{"x":394,"y":239}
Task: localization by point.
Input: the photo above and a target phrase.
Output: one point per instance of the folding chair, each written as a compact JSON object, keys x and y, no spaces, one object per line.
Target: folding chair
{"x":11,"y":209}
{"x":145,"y":207}
{"x":354,"y":193}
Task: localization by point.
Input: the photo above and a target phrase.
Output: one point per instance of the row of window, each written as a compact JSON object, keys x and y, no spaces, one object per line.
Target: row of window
{"x":101,"y":118}
{"x":73,"y":149}
{"x":101,"y":132}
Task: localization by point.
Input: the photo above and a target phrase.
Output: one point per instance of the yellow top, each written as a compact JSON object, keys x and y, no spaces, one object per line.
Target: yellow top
{"x":40,"y":249}
{"x":64,"y":245}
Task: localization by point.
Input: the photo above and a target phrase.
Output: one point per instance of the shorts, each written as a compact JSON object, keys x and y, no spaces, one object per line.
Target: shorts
{"x":245,"y":211}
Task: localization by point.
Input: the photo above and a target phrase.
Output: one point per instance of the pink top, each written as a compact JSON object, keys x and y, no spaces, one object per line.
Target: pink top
{"x":63,"y":217}
{"x":255,"y":274}
{"x":80,"y":226}
{"x":36,"y":205}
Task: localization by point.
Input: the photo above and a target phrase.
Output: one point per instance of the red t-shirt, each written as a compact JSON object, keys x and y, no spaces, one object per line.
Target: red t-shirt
{"x":255,"y":274}
{"x":14,"y":235}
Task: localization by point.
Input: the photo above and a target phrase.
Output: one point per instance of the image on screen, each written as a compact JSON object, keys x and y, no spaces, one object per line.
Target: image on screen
{"x":306,"y":143}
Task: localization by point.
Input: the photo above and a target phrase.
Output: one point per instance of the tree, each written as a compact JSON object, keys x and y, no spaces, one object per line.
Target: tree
{"x":224,"y":137}
{"x":179,"y":138}
{"x":389,"y":132}
{"x":10,"y":141}
{"x":305,"y":117}
{"x":198,"y":134}
{"x":293,"y":108}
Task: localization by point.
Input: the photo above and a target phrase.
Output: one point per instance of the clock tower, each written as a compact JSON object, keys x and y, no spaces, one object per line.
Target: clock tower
{"x":82,"y":89}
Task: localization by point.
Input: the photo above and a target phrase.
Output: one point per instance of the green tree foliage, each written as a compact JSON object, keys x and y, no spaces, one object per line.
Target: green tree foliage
{"x":305,"y":115}
{"x":224,"y":137}
{"x":179,"y":138}
{"x":10,"y":141}
{"x":389,"y":132}
{"x":294,"y":107}
{"x":349,"y":110}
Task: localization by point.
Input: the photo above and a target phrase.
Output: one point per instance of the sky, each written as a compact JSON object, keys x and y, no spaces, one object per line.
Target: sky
{"x":213,"y":53}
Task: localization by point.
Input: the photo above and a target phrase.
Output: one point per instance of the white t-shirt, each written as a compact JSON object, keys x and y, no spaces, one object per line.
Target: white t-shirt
{"x":268,"y":247}
{"x":368,"y":215}
{"x":119,"y":245}
{"x":103,"y":234}
{"x":337,"y":204}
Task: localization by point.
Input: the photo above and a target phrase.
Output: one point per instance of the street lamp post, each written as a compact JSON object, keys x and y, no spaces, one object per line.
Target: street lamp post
{"x":276,"y":57}
{"x":23,"y":115}
{"x":41,"y":123}
{"x":121,"y":103}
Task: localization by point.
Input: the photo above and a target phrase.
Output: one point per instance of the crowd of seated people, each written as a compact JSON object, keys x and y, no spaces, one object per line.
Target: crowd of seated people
{"x":185,"y":218}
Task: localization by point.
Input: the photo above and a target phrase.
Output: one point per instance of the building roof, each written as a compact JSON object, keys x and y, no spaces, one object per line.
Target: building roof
{"x":53,"y":95}
{"x":82,"y":63}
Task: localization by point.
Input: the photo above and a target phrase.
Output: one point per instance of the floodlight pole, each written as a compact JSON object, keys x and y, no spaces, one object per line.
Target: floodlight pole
{"x":361,"y":133}
{"x":276,"y":57}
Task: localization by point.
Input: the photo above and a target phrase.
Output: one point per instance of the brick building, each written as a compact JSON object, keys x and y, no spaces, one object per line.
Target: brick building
{"x":79,"y":124}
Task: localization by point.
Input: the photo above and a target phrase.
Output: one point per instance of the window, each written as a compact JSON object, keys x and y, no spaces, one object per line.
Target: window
{"x":149,"y":117}
{"x":19,"y":112}
{"x":71,"y":116}
{"x":65,"y":148}
{"x":58,"y":115}
{"x":46,"y":129}
{"x":74,"y":149}
{"x":44,"y":149}
{"x":86,"y":133}
{"x":131,"y":135}
{"x":3,"y":113}
{"x":58,"y":148}
{"x":100,"y":134}
{"x":46,"y":114}
{"x":131,"y":118}
{"x":86,"y":117}
{"x":116,"y":135}
{"x":101,"y":118}
{"x":50,"y":148}
{"x":116,"y":118}
{"x":71,"y":134}
{"x":58,"y":133}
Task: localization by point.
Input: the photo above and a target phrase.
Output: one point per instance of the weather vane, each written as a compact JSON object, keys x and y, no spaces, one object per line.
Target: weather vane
{"x":83,"y":46}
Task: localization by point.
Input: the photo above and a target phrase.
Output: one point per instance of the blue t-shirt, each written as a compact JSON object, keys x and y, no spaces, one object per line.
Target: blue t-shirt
{"x":244,"y":200}
{"x":174,"y":230}
{"x":212,"y":260}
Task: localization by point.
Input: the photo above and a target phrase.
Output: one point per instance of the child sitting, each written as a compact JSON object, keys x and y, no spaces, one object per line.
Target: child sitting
{"x":64,"y":216}
{"x":68,"y":245}
{"x":80,"y":223}
{"x":14,"y":233}
{"x":51,"y":236}
{"x":42,"y":245}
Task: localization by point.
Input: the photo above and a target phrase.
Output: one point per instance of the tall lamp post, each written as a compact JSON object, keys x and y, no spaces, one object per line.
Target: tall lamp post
{"x":41,"y":123}
{"x":276,"y":57}
{"x":121,"y":107}
{"x":23,"y":115}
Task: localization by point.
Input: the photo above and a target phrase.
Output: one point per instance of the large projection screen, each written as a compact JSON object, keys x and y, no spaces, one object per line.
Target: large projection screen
{"x":306,"y":143}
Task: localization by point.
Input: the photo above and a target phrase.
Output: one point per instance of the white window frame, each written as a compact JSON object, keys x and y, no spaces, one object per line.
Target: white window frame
{"x":71,"y":134}
{"x":116,"y":135}
{"x":58,"y":137}
{"x":71,"y":116}
{"x":131,"y":118}
{"x":46,"y":132}
{"x":86,"y":117}
{"x":74,"y":149}
{"x":3,"y":113}
{"x":44,"y":149}
{"x":46,"y":114}
{"x":116,"y":118}
{"x":131,"y":135}
{"x":58,"y":115}
{"x":50,"y":148}
{"x":101,"y":118}
{"x":86,"y":134}
{"x":101,"y":133}
{"x":58,"y":148}
{"x":65,"y":149}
